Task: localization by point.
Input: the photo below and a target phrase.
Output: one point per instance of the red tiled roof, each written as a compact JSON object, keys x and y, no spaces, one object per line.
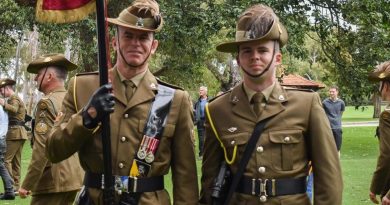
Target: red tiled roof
{"x":299,"y":81}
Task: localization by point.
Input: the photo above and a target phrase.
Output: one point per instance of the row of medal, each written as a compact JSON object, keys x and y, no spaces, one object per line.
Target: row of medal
{"x":147,"y":149}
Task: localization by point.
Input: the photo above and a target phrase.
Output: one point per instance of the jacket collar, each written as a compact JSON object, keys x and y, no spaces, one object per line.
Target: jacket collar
{"x":242,"y":107}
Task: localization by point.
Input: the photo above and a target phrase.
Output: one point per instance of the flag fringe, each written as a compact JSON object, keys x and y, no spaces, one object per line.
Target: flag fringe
{"x":63,"y":16}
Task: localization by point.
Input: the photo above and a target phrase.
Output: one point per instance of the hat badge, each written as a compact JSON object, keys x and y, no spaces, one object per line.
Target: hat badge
{"x":47,"y":59}
{"x":382,"y":75}
{"x":140,"y":22}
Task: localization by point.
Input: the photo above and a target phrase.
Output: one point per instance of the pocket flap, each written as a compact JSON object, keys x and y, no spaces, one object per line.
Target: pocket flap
{"x":235,"y":139}
{"x":286,"y":136}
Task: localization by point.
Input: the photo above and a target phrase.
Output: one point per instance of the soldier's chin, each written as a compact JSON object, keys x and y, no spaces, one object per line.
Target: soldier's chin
{"x":258,"y":79}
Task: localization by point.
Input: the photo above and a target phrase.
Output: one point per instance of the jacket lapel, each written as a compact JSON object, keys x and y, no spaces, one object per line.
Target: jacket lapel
{"x":146,"y":90}
{"x":241,"y":106}
{"x":119,"y":89}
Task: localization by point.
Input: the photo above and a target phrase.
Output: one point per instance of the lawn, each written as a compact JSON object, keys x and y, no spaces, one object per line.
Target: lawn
{"x":363,"y":113}
{"x":358,"y":159}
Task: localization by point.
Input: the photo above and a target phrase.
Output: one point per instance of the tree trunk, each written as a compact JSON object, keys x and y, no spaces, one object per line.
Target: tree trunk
{"x":377,"y":105}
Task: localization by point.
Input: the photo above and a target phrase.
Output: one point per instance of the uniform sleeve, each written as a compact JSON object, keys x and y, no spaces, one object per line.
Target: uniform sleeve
{"x":44,"y":118}
{"x":212,"y":153}
{"x":328,"y":183}
{"x":12,"y":105}
{"x":68,"y":134}
{"x":381,"y":175}
{"x":184,"y":172}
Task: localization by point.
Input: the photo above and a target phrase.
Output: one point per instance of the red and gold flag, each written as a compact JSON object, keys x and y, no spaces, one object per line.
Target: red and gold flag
{"x":63,"y":11}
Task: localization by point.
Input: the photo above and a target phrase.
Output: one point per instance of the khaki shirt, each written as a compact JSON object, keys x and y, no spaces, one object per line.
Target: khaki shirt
{"x":297,"y":132}
{"x":175,"y":152}
{"x":43,"y":176}
{"x":380,"y":183}
{"x":16,"y":111}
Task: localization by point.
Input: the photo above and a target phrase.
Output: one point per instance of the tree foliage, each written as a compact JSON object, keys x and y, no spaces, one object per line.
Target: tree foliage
{"x":332,"y":41}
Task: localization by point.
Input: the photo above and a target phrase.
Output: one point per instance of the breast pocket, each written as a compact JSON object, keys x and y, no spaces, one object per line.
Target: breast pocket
{"x":235,"y":144}
{"x":287,"y":149}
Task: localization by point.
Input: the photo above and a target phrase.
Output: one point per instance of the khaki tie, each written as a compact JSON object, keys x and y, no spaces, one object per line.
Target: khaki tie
{"x":257,"y":99}
{"x":130,"y":88}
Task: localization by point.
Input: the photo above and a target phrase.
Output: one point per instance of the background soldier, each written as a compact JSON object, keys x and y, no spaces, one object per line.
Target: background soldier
{"x":145,"y":158}
{"x":16,"y":135}
{"x":50,"y":183}
{"x":297,"y":131}
{"x":380,"y":183}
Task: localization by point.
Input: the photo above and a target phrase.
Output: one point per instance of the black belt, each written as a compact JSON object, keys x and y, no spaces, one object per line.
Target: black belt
{"x":271,"y":187}
{"x":149,"y":184}
{"x":15,"y":123}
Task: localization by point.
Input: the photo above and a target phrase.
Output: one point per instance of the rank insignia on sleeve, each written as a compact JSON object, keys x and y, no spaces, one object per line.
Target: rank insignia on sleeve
{"x":42,"y":106}
{"x":41,"y":128}
{"x":385,"y":115}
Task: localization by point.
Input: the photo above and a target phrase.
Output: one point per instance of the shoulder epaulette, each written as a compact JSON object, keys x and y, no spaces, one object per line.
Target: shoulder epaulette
{"x":224,"y":93}
{"x":168,"y":85}
{"x":288,"y":88}
{"x":88,"y":73}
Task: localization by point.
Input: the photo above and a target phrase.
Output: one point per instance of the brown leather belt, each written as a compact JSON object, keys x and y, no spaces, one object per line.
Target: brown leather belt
{"x":271,"y":187}
{"x":15,"y":123}
{"x":149,"y":184}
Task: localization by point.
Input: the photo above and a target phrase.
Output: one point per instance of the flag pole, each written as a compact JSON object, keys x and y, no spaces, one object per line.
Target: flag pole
{"x":108,"y":191}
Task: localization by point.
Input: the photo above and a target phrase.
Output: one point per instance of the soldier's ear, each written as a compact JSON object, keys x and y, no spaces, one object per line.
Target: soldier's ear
{"x":114,"y":43}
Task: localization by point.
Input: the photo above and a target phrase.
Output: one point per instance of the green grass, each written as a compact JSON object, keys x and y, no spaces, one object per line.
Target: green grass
{"x":358,"y":159}
{"x":364,"y":113}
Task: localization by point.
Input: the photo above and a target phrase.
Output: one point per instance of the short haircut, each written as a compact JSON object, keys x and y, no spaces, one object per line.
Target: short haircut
{"x":60,"y":71}
{"x":334,"y":87}
{"x":203,"y":87}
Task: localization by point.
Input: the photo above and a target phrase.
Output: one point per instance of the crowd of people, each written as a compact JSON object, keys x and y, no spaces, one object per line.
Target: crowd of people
{"x":259,"y":142}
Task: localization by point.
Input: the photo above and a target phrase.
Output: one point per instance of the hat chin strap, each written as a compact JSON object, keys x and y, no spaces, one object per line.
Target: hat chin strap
{"x":266,"y":69}
{"x":123,"y":57}
{"x":43,"y":77}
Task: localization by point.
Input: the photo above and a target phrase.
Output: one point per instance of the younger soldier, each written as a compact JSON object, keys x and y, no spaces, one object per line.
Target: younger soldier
{"x":380,"y":183}
{"x":17,"y":134}
{"x":150,"y":122}
{"x":50,"y":183}
{"x":296,"y":129}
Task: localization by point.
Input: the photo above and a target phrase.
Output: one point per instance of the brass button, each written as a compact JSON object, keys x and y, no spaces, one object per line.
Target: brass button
{"x":120,"y":165}
{"x":262,"y":170}
{"x":233,"y":142}
{"x":126,"y":116}
{"x":260,"y":149}
{"x":263,"y":198}
{"x":123,"y":139}
{"x":287,"y":139}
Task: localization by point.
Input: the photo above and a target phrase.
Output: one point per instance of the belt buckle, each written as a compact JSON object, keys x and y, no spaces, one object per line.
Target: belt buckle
{"x":263,"y":190}
{"x":121,"y":184}
{"x":133,"y":185}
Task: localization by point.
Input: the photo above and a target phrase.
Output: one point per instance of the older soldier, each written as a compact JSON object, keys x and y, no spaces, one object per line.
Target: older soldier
{"x":50,"y":183}
{"x":16,"y":135}
{"x":151,"y":121}
{"x":296,"y":131}
{"x":380,"y":183}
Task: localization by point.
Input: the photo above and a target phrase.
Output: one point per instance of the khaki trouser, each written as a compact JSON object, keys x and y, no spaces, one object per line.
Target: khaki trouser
{"x":60,"y":198}
{"x":12,"y":160}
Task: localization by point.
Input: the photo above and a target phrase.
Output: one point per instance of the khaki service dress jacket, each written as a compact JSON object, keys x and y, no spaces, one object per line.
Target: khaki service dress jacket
{"x":298,"y":132}
{"x":175,"y":152}
{"x":16,"y":112}
{"x":380,"y":183}
{"x":43,"y":176}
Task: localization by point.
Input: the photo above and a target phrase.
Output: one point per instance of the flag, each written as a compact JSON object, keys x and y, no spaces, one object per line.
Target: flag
{"x":63,"y":11}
